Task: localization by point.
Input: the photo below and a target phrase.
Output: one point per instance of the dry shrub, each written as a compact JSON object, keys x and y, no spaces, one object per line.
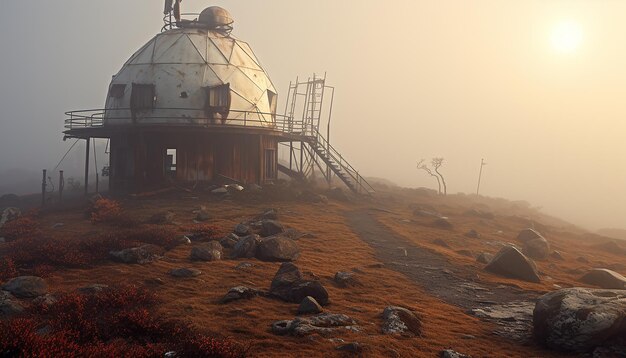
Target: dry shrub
{"x":205,"y":231}
{"x":22,"y":227}
{"x":106,"y":211}
{"x":7,"y":269}
{"x":113,"y":322}
{"x":166,"y":237}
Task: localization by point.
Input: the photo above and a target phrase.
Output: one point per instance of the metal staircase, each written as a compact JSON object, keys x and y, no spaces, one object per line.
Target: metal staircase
{"x":313,"y":148}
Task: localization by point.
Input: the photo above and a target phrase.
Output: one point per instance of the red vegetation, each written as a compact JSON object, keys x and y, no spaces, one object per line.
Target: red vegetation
{"x":22,"y":227}
{"x":110,"y":323}
{"x":205,"y":231}
{"x":105,"y":211}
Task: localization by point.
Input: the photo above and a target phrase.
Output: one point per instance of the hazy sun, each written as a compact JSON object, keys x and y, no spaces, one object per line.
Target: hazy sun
{"x":567,"y":36}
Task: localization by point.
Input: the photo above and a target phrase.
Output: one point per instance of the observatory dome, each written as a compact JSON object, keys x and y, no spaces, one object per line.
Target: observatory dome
{"x":193,"y":75}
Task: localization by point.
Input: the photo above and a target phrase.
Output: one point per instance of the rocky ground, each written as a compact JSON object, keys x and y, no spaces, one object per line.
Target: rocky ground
{"x":406,"y":273}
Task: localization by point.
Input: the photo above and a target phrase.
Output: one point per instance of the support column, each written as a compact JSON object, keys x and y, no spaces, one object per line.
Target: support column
{"x":87,"y":140}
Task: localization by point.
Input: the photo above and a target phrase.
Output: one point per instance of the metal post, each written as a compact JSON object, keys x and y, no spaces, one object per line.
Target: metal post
{"x":43,"y":188}
{"x":61,"y":185}
{"x":480,"y":174}
{"x":87,"y":166}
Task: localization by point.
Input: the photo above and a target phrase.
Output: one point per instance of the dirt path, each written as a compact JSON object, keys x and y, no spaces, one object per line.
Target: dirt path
{"x":509,"y":307}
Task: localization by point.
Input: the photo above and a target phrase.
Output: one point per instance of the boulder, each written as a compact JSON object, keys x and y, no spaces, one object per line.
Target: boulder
{"x":472,"y":234}
{"x":137,"y":255}
{"x":345,"y":279}
{"x":271,"y":227}
{"x":164,"y":217}
{"x":240,"y":293}
{"x":9,"y":214}
{"x":440,"y":242}
{"x":484,"y":258}
{"x":291,"y":285}
{"x":9,"y":306}
{"x":242,"y":230}
{"x":203,"y":214}
{"x":605,"y":279}
{"x":220,"y":191}
{"x":246,"y":247}
{"x":323,"y":324}
{"x":229,"y":241}
{"x":449,"y":353}
{"x":580,"y":319}
{"x":277,"y":248}
{"x":26,"y":286}
{"x":399,"y":320}
{"x":46,"y":300}
{"x":557,"y":255}
{"x":208,"y":251}
{"x":269,"y":214}
{"x":309,"y":306}
{"x":510,"y":262}
{"x":442,"y":223}
{"x":528,"y":234}
{"x":185,"y":272}
{"x":466,"y":252}
{"x":538,"y":248}
{"x":352,"y":347}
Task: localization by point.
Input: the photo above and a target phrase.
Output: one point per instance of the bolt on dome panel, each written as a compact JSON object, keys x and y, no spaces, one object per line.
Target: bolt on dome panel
{"x":257,"y":76}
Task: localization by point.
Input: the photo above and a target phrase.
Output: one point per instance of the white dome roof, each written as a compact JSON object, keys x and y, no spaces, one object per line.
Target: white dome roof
{"x":181,"y":63}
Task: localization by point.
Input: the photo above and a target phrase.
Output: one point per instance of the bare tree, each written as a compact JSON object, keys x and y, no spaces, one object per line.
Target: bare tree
{"x":421,"y":165}
{"x":437,"y":163}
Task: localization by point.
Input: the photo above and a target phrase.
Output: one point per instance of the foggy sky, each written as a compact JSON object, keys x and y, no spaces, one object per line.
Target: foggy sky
{"x":415,"y":79}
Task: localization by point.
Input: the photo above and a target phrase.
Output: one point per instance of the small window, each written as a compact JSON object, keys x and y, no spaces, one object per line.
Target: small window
{"x":117,"y":90}
{"x":272,"y":98}
{"x":218,"y":101}
{"x":170,"y":162}
{"x":142,"y":97}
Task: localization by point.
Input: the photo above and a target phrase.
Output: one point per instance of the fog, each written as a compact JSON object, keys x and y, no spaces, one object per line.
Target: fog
{"x":415,"y":79}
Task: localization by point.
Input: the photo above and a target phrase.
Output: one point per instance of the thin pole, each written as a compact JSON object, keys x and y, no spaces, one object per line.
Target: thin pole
{"x":480,"y":174}
{"x":43,"y":188}
{"x":61,"y":185}
{"x":87,"y":166}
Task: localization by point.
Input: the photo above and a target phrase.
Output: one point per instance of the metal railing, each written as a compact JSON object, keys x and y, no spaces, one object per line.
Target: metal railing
{"x":97,"y":118}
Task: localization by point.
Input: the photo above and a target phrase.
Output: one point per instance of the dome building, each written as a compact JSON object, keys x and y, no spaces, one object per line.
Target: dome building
{"x":192,"y":104}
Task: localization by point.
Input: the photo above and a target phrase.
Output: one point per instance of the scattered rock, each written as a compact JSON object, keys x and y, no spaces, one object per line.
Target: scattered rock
{"x":442,"y":223}
{"x":510,"y":262}
{"x":472,"y":234}
{"x":58,"y":225}
{"x":219,"y":191}
{"x":137,"y":255}
{"x":9,"y":214}
{"x":345,"y":279}
{"x":309,"y":306}
{"x":269,"y":214}
{"x":242,"y":230}
{"x":9,"y":306}
{"x":277,"y":248}
{"x":449,"y":353}
{"x":165,"y":217}
{"x":244,"y":266}
{"x":45,"y":300}
{"x":556,"y":255}
{"x":26,"y":286}
{"x":484,"y":258}
{"x":185,"y":272}
{"x":605,"y":279}
{"x":93,"y":288}
{"x":203,"y":214}
{"x":465,"y":252}
{"x":271,"y":227}
{"x":398,"y":320}
{"x":322,"y":324}
{"x":441,"y":243}
{"x":353,"y":347}
{"x":240,"y":293}
{"x":291,"y":285}
{"x":538,"y":248}
{"x":229,"y":241}
{"x":580,"y":319}
{"x":582,"y":260}
{"x":528,"y":234}
{"x":209,"y":251}
{"x":246,"y":247}
{"x":155,"y":281}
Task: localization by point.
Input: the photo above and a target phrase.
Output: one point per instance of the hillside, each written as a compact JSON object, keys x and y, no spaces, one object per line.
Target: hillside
{"x":403,"y":247}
